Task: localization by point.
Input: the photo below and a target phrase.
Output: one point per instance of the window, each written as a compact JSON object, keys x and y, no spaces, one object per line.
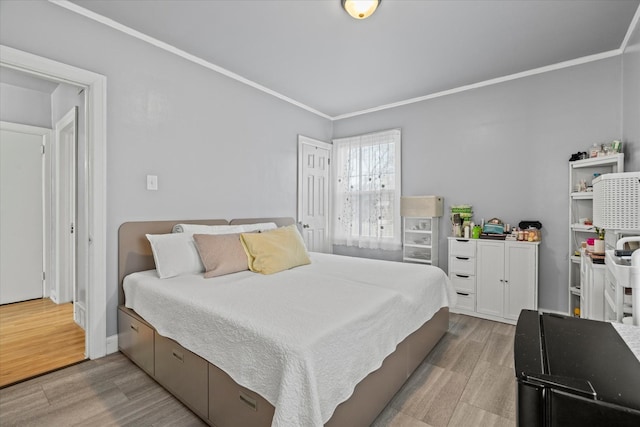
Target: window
{"x":366,"y":208}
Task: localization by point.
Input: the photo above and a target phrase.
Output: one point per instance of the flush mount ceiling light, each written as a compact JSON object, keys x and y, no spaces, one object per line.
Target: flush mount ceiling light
{"x":360,"y":9}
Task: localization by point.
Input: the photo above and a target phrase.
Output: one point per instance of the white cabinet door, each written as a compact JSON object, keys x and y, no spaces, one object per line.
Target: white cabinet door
{"x":490,"y":278}
{"x":520,"y":279}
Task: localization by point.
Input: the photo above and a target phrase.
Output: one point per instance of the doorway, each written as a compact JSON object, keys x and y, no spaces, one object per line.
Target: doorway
{"x":93,"y":233}
{"x":40,"y":328}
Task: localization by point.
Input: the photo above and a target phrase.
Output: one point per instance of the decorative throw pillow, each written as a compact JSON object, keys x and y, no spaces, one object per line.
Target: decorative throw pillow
{"x":275,"y":250}
{"x":174,"y":254}
{"x":221,"y":254}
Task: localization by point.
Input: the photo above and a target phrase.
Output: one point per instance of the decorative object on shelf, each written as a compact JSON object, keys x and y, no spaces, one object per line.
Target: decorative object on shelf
{"x":461,"y":216}
{"x":360,"y":9}
{"x":420,"y":228}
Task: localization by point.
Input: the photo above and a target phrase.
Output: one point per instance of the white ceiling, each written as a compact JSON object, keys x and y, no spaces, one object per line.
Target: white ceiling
{"x":313,"y":53}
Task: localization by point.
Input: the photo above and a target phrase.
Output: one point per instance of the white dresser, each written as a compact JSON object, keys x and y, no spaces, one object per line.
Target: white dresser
{"x":494,"y":279}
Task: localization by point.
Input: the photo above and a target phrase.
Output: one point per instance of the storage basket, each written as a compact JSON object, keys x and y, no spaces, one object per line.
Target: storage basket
{"x":616,"y":201}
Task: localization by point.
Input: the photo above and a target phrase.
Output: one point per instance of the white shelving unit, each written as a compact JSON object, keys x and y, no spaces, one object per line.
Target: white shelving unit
{"x":420,"y":240}
{"x":581,"y":206}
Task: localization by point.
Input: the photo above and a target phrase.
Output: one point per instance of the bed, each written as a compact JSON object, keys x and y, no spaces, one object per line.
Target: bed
{"x":328,"y":343}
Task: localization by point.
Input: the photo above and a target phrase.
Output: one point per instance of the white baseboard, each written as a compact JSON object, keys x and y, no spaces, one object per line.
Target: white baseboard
{"x":112,"y":344}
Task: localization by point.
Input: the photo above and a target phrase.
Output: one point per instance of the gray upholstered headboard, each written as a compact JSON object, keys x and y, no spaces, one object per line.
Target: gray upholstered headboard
{"x":134,"y":250}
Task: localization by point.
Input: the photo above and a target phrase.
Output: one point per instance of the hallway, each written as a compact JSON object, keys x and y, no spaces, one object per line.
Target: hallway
{"x":37,"y":336}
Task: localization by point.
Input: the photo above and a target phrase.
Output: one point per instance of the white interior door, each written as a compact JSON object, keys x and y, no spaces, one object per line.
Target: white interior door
{"x":65,"y":211}
{"x":21,"y":212}
{"x":314,"y":160}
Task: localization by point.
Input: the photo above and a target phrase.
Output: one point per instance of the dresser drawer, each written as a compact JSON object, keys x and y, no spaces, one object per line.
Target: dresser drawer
{"x":466,"y":301}
{"x":462,"y":265}
{"x":183,"y":373}
{"x":463,"y":282}
{"x":135,"y":339}
{"x":462,"y":247}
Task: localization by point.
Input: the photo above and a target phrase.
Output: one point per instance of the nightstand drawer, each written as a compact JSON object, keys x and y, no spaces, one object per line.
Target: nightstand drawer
{"x":466,"y":301}
{"x":462,"y":265}
{"x":462,"y":248}
{"x":463,"y":282}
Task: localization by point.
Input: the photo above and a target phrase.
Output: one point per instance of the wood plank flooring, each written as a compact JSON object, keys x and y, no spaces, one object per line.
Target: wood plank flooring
{"x":37,"y":336}
{"x":468,"y":380}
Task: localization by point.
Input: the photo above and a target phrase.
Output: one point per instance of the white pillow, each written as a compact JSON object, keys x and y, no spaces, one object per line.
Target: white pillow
{"x":223,"y":229}
{"x":207,"y":229}
{"x":260,"y":226}
{"x":175,"y":254}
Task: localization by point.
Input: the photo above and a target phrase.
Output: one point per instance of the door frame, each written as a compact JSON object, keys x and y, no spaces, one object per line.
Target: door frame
{"x":95,"y":169}
{"x":305,"y":140}
{"x":46,"y":135}
{"x":65,"y":164}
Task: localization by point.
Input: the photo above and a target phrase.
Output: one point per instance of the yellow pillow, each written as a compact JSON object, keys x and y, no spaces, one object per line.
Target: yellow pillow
{"x":275,"y":250}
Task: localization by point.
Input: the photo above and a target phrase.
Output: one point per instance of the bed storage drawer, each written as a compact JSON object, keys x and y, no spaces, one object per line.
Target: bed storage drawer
{"x":135,"y":339}
{"x":183,"y":373}
{"x":233,"y":405}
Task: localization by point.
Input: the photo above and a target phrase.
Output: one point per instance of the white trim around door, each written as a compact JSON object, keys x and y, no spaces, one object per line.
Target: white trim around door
{"x":96,"y":87}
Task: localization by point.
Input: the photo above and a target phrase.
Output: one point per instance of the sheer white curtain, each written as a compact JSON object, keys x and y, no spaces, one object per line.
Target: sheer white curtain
{"x":366,"y":192}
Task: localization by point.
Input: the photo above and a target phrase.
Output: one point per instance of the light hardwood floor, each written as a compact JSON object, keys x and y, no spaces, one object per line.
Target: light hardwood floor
{"x":468,"y":380}
{"x":37,"y":336}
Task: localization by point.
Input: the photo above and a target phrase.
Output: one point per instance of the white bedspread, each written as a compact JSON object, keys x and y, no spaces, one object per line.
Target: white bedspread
{"x":302,"y":338}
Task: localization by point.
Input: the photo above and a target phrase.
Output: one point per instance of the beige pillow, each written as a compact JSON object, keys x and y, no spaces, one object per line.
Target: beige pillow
{"x":275,"y":250}
{"x":221,"y":253}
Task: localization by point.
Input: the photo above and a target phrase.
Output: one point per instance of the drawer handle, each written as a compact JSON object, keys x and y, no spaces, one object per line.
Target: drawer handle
{"x":463,"y":258}
{"x":250,"y":402}
{"x":134,"y":328}
{"x":462,"y":240}
{"x":178,"y":355}
{"x":463,"y":294}
{"x":464,"y":276}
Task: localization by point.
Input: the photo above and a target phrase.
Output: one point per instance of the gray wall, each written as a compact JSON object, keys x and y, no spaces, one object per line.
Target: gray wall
{"x":631,"y":102}
{"x":220,"y":148}
{"x":504,"y":149}
{"x":25,"y":106}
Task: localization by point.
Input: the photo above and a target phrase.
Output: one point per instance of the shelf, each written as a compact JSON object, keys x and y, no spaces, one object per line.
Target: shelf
{"x":575,"y":290}
{"x":583,"y":228}
{"x":582,"y":195}
{"x":597,"y":161}
{"x":575,"y":259}
{"x":418,"y":231}
{"x":418,"y":260}
{"x":417,"y":245}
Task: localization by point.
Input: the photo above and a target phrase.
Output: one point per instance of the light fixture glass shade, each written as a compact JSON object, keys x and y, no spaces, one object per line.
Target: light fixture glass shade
{"x":421,"y":206}
{"x":360,"y":9}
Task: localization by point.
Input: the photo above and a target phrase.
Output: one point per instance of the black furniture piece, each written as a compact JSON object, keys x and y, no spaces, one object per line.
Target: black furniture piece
{"x":574,"y":372}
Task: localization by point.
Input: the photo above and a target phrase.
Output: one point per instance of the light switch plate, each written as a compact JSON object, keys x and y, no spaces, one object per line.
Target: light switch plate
{"x":152,"y":182}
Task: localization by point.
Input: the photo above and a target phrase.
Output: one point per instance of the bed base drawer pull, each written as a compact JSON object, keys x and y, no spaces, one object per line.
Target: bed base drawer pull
{"x":134,"y":328}
{"x":462,"y":294}
{"x":178,"y":355}
{"x":250,"y":402}
{"x":463,"y":258}
{"x":463,"y":276}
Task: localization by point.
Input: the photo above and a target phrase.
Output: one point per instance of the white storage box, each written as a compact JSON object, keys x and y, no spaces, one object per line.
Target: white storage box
{"x":616,"y":201}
